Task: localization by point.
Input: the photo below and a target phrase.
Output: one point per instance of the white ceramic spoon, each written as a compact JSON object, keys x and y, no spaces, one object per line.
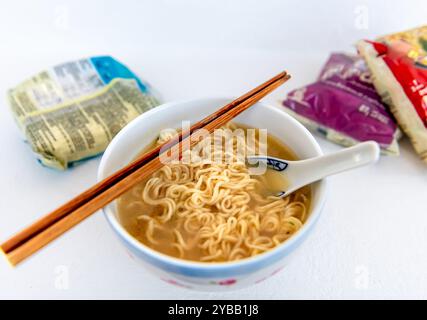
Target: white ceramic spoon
{"x":289,"y":176}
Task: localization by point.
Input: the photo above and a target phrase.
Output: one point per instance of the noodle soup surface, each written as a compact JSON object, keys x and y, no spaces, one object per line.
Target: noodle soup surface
{"x":214,"y":212}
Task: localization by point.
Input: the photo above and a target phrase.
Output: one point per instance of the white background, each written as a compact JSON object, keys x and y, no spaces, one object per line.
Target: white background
{"x":371,"y":239}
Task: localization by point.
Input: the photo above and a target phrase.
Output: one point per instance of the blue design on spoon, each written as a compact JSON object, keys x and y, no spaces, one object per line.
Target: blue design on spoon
{"x":277,"y":165}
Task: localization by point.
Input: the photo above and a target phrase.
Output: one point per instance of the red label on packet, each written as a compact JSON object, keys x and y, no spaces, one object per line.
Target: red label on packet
{"x":408,"y":71}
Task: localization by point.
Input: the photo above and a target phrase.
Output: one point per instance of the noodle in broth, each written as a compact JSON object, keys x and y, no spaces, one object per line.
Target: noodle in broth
{"x":213,"y":212}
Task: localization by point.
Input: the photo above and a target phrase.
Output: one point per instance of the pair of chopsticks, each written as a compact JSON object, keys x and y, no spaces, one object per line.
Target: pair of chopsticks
{"x":54,"y":224}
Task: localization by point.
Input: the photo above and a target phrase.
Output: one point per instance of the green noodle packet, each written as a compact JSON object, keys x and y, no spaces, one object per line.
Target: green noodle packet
{"x":72,"y":111}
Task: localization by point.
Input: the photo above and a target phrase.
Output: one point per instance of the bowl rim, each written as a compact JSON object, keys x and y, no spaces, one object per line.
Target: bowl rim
{"x":210,"y":266}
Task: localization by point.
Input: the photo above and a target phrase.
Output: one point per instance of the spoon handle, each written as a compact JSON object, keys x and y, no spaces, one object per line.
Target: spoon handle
{"x":314,"y":169}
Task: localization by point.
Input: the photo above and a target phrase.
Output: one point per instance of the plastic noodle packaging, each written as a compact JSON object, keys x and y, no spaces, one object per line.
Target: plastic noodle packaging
{"x":398,"y":63}
{"x":344,"y":106}
{"x":72,"y":111}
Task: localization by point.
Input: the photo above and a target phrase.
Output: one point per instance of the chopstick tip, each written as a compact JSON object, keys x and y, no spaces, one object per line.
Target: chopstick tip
{"x":3,"y":253}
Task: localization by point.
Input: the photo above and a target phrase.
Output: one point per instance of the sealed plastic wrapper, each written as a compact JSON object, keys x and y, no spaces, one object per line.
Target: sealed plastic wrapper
{"x":72,"y":111}
{"x":344,"y":106}
{"x":398,"y":63}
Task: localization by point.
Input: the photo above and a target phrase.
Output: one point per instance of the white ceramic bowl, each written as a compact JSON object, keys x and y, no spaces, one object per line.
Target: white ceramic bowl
{"x":198,"y":275}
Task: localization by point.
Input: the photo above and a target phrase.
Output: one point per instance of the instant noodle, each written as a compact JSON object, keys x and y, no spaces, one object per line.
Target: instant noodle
{"x":344,"y":106}
{"x":398,"y":63}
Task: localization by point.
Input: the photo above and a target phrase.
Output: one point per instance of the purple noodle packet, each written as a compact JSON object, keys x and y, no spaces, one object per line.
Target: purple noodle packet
{"x":344,"y":106}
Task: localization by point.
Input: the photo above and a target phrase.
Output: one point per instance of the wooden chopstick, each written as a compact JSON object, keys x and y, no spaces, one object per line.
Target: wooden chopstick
{"x":101,"y":186}
{"x":49,"y":227}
